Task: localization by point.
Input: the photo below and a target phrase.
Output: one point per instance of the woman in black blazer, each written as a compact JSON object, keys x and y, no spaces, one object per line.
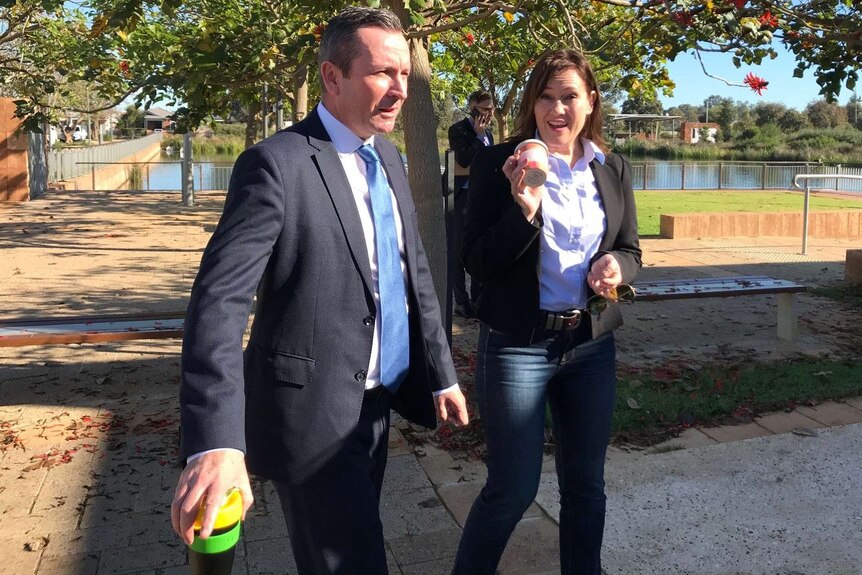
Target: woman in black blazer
{"x":541,"y":254}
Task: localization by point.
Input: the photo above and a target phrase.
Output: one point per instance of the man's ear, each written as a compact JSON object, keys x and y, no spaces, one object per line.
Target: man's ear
{"x":331,"y":77}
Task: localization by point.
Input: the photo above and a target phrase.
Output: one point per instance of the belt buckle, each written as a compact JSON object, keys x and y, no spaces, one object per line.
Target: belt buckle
{"x":569,"y":319}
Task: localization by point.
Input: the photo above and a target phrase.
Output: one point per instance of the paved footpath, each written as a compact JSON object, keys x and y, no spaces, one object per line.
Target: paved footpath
{"x":88,"y":432}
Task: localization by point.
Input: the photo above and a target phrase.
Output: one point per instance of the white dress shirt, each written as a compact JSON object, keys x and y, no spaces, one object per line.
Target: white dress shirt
{"x":574,"y":224}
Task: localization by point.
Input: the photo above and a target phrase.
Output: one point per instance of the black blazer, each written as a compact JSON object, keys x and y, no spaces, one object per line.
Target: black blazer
{"x":501,"y":248}
{"x":290,"y":225}
{"x":464,"y":142}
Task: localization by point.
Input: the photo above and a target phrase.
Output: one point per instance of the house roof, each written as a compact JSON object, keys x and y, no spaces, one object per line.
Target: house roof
{"x":156,"y":114}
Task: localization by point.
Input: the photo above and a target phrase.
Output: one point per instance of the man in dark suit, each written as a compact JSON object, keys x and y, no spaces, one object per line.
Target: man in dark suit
{"x":347,"y":324}
{"x":466,"y":138}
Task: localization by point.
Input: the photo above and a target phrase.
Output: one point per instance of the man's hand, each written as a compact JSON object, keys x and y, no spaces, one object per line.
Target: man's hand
{"x":479,"y":124}
{"x":605,"y":274}
{"x":209,"y":476}
{"x":451,"y":406}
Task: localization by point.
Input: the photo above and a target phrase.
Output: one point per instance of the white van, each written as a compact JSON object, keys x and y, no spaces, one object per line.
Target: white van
{"x":79,"y":133}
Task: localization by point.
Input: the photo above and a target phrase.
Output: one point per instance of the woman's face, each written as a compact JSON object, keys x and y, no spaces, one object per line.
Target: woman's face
{"x":562,"y":109}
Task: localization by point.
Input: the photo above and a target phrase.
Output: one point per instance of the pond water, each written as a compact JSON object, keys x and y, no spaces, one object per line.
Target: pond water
{"x":213,"y":173}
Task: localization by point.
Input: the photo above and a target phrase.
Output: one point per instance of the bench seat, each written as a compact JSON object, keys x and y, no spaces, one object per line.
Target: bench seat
{"x":788,"y":316}
{"x":91,"y":329}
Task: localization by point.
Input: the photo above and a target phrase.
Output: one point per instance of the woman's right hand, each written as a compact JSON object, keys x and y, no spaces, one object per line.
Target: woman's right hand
{"x":528,"y":199}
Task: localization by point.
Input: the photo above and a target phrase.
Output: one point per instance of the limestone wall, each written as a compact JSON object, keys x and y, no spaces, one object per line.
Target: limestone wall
{"x":833,"y":224}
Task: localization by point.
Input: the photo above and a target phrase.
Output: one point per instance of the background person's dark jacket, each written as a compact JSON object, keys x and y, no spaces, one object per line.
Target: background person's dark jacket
{"x":466,"y":144}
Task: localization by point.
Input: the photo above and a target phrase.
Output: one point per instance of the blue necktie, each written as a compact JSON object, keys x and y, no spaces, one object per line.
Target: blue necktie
{"x":394,"y":331}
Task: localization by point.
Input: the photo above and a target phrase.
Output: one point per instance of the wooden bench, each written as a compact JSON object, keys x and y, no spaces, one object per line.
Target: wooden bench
{"x":90,"y":329}
{"x":788,"y":317}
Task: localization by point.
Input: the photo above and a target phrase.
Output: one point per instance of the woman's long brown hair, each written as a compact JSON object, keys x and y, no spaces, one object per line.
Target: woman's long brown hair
{"x":549,"y":65}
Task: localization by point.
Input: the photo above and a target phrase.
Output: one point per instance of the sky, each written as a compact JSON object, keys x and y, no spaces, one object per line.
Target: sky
{"x":693,"y":87}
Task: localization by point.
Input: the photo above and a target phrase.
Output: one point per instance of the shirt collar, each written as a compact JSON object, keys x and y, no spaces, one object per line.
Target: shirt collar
{"x":591,"y":150}
{"x":343,"y":138}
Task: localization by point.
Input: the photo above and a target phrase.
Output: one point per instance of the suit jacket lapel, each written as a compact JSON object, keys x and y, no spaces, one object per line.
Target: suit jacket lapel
{"x":607,"y":181}
{"x":335,"y":181}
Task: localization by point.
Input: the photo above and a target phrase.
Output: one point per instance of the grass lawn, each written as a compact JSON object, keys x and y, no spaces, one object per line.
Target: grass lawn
{"x":651,"y":204}
{"x":651,"y":405}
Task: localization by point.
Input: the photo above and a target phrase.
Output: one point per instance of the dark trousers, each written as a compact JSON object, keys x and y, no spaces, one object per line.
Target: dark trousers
{"x":334,"y":519}
{"x":576,"y":376}
{"x":459,"y":281}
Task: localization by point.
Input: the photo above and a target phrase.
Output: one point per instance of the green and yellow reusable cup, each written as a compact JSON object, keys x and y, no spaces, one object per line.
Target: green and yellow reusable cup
{"x":214,"y":555}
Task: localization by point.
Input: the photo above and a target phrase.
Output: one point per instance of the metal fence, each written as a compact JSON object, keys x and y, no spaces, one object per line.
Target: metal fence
{"x":73,"y":162}
{"x":645,"y":175}
{"x":735,"y":175}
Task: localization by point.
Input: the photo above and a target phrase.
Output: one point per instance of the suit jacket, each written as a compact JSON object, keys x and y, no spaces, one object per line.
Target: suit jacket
{"x":290,"y":228}
{"x":501,"y":248}
{"x":464,"y":142}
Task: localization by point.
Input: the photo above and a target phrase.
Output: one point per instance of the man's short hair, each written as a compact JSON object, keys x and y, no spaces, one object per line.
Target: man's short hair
{"x":478,"y":96}
{"x":338,"y":44}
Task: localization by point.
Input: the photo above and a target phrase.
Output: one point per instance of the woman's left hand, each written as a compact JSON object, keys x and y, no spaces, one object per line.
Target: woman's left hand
{"x":605,"y":274}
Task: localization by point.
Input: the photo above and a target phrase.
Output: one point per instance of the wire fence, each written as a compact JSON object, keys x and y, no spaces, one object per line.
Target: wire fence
{"x":167,"y":176}
{"x":736,"y":175}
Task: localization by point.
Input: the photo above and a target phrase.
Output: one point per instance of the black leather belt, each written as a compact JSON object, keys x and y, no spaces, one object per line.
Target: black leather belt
{"x":560,"y":320}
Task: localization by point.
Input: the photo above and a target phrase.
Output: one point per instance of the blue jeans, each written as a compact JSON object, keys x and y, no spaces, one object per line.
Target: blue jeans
{"x":577,"y":377}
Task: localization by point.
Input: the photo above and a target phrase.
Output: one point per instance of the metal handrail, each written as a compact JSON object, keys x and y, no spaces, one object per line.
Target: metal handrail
{"x":805,"y":207}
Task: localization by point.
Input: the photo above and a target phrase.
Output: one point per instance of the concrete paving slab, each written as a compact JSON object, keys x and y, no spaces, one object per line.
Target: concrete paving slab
{"x":854,"y":401}
{"x":439,"y":546}
{"x":688,"y":439}
{"x":271,"y":556}
{"x":459,"y":498}
{"x":141,"y":557}
{"x":397,"y":444}
{"x":832,"y":413}
{"x":786,"y":422}
{"x":534,"y":547}
{"x":80,"y":564}
{"x":20,"y":554}
{"x":443,"y":468}
{"x":414,"y":513}
{"x":769,"y":505}
{"x":403,"y":473}
{"x":726,"y":433}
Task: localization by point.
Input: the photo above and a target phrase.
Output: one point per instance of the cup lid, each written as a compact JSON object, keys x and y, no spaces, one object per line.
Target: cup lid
{"x":531,"y":142}
{"x":229,"y":513}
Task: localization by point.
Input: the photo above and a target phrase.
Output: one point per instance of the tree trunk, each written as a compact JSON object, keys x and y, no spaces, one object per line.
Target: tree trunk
{"x":300,"y":93}
{"x":423,"y":159}
{"x":251,"y":124}
{"x":502,"y":126}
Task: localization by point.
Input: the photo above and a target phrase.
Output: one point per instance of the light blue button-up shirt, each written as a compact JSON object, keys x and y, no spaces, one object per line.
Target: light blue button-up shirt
{"x":574,"y":223}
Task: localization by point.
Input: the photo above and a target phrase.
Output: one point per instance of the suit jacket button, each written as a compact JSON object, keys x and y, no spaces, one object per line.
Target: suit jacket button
{"x":368,"y":320}
{"x":360,"y":375}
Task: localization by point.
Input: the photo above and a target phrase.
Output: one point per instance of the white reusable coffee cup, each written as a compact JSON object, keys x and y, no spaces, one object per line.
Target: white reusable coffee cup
{"x":536,"y":168}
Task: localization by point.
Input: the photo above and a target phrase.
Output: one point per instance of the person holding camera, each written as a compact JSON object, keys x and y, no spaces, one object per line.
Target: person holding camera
{"x":466,"y":138}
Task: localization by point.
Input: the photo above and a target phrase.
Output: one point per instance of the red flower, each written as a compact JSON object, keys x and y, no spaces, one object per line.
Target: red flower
{"x":792,"y":34}
{"x":469,"y":39}
{"x":756,"y":83}
{"x":124,"y":67}
{"x":740,"y":4}
{"x":768,"y":20}
{"x":683,"y":18}
{"x":318,"y":31}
